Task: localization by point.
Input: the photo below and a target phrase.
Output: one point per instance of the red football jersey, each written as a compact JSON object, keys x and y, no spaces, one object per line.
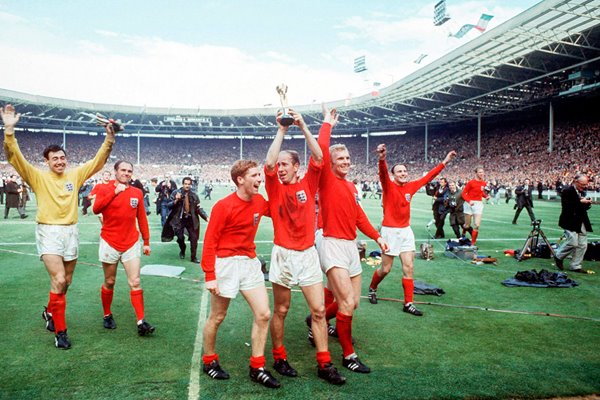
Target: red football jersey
{"x":397,"y":198}
{"x":293,"y":208}
{"x":231,"y":230}
{"x":339,"y":203}
{"x":120,"y":212}
{"x":474,"y":190}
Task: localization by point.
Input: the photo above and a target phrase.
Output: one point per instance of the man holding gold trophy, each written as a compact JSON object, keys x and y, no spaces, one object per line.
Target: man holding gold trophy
{"x":294,"y":259}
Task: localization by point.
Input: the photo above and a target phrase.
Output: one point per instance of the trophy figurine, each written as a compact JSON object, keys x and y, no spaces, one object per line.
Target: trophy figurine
{"x":285,"y":119}
{"x":103,"y":121}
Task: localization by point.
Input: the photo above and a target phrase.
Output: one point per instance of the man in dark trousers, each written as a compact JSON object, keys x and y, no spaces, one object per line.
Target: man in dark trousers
{"x":2,"y":182}
{"x":439,"y":210}
{"x":84,"y":192}
{"x":453,"y":202}
{"x":576,"y":223}
{"x":524,"y":200}
{"x":164,"y":189}
{"x":208,"y":188}
{"x":185,"y":210}
{"x":13,"y":194}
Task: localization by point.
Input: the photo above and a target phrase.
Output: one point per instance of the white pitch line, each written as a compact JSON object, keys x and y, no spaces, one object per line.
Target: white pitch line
{"x":194,"y":387}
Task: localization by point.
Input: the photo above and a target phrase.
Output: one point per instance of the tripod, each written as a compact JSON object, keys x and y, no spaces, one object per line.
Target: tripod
{"x":533,"y":239}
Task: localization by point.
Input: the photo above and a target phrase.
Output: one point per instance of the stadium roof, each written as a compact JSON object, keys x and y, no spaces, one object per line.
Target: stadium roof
{"x":549,"y":51}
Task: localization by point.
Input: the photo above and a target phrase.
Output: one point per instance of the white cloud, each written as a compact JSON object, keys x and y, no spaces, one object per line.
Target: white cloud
{"x":157,"y":72}
{"x":277,"y":56}
{"x":105,"y":33}
{"x":89,"y":47}
{"x":10,"y":18}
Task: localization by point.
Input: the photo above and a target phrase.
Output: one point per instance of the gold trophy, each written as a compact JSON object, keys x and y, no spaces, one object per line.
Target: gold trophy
{"x":285,"y":119}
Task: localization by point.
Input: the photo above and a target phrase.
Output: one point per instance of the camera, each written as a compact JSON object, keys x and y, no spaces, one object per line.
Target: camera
{"x":450,"y":203}
{"x":536,"y":223}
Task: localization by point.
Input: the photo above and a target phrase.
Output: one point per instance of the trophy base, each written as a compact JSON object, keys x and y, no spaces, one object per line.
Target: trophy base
{"x":286,"y":120}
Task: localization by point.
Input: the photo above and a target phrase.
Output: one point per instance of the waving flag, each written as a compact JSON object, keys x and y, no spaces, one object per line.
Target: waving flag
{"x":481,"y":26}
{"x":483,"y":22}
{"x":420,"y":58}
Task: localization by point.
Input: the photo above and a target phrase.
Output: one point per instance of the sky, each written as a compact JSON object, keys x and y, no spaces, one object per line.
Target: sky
{"x":225,"y":54}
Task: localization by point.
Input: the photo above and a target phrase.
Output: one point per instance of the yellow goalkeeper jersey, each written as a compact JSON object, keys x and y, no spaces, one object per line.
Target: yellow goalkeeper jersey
{"x":56,"y":195}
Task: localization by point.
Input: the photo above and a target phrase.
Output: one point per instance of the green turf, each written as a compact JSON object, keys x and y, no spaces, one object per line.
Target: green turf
{"x":461,"y":351}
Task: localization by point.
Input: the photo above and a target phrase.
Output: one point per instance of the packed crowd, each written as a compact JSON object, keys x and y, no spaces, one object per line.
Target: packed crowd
{"x":509,"y":154}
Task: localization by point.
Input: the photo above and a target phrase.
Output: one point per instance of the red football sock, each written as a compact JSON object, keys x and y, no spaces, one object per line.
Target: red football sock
{"x":344,"y":328}
{"x":137,"y":301}
{"x":257,"y":362}
{"x":107,"y":296}
{"x":328,"y":296}
{"x":331,"y":310}
{"x":49,"y":307}
{"x":376,"y":279}
{"x":279,"y":353}
{"x":207,"y":359}
{"x":474,"y":235}
{"x":409,"y":287}
{"x":58,"y":305}
{"x":323,"y":357}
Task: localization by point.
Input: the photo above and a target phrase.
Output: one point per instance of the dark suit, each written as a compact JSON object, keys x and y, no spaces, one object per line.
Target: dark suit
{"x":179,"y":222}
{"x":454,"y":204}
{"x":576,"y":223}
{"x":13,"y":199}
{"x":439,"y":210}
{"x":524,"y":200}
{"x":574,"y":214}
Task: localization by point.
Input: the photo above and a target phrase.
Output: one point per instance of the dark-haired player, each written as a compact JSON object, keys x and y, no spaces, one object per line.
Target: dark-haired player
{"x":395,"y":228}
{"x":230,"y":266}
{"x":56,"y":194}
{"x":122,"y":205}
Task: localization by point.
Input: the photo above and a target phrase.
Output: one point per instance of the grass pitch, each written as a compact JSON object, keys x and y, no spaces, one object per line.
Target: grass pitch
{"x":459,"y":349}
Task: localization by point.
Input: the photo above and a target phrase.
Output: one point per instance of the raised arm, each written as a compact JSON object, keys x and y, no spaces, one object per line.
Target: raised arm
{"x":10,"y":119}
{"x":275,"y":147}
{"x":384,"y":176}
{"x":13,"y":154}
{"x":436,"y":170}
{"x":95,"y":164}
{"x":330,"y":119}
{"x":312,"y":144}
{"x":449,"y":157}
